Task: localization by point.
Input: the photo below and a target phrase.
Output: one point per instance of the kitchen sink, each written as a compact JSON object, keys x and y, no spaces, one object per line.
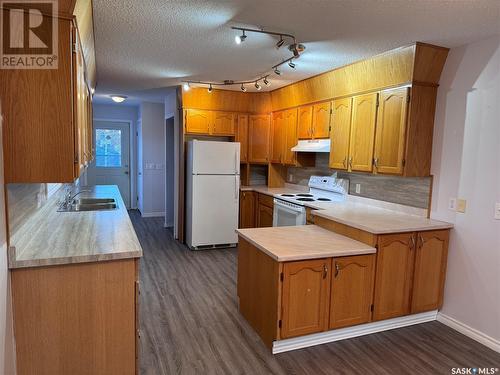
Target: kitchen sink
{"x":93,"y":201}
{"x":89,"y":204}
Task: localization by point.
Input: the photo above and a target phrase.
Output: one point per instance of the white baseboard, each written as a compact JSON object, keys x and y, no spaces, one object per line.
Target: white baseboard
{"x":152,"y":214}
{"x":473,"y":333}
{"x":286,"y":345}
{"x":168,"y":225}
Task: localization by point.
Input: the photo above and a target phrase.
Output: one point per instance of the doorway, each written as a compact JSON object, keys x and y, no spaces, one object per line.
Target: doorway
{"x":111,"y":165}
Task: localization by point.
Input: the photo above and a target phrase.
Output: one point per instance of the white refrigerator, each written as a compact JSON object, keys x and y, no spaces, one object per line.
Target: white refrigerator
{"x":212,"y":194}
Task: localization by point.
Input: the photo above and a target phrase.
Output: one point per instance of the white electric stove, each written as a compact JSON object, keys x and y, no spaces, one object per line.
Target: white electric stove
{"x":289,"y":209}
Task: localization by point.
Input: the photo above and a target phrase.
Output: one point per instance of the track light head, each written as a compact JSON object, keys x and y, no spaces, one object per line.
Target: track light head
{"x":257,"y":86}
{"x":210,"y":89}
{"x":240,"y":38}
{"x":277,"y":71}
{"x":291,"y":64}
{"x":243,"y":88}
{"x":186,"y":86}
{"x":266,"y":81}
{"x":280,"y":42}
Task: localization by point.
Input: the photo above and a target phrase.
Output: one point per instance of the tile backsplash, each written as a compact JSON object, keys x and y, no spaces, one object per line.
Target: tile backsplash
{"x":409,"y":191}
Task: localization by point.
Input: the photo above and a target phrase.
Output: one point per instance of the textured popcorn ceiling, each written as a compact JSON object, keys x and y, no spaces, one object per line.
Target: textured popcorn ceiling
{"x":153,"y":44}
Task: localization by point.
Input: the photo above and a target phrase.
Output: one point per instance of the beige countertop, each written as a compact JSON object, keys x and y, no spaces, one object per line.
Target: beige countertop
{"x":262,"y":189}
{"x":303,"y":242}
{"x":52,"y":238}
{"x":378,"y":220}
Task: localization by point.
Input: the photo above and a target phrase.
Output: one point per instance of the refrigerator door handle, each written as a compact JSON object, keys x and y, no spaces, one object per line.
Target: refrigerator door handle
{"x":236,"y":162}
{"x":236,"y":183}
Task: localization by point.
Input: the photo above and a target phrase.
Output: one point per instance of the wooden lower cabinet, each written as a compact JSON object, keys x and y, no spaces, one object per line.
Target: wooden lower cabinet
{"x":76,"y":319}
{"x":306,"y":291}
{"x":351,"y":290}
{"x":265,"y":210}
{"x":248,"y":205}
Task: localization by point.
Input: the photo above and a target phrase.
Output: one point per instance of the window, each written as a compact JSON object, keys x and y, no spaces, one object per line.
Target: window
{"x":108,"y":148}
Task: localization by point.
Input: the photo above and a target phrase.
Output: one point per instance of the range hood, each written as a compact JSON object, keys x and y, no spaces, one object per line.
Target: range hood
{"x":313,"y":145}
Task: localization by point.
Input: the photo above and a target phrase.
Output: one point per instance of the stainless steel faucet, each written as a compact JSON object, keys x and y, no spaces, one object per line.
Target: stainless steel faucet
{"x":70,"y":196}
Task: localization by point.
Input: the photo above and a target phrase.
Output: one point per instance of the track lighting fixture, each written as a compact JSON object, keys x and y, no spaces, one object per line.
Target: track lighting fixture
{"x":186,"y":86}
{"x":243,"y":88}
{"x":210,"y":88}
{"x":277,"y":71}
{"x":291,"y":65}
{"x":280,"y":42}
{"x":266,"y":81}
{"x":118,"y":98}
{"x":257,"y":86}
{"x":240,"y":38}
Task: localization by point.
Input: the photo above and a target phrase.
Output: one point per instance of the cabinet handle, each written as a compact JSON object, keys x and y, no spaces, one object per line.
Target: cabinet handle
{"x":421,"y":240}
{"x":344,"y":162}
{"x":350,"y":162}
{"x":412,"y":242}
{"x":375,"y":162}
{"x":337,"y":269}
{"x":325,"y":271}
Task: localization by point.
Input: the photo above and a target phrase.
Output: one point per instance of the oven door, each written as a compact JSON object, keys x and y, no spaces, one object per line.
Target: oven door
{"x":288,"y":214}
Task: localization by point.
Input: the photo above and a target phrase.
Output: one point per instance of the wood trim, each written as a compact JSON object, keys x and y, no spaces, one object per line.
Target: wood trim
{"x":345,"y":230}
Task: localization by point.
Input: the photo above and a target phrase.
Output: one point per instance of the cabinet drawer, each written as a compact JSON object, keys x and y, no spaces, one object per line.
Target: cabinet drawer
{"x":266,"y":200}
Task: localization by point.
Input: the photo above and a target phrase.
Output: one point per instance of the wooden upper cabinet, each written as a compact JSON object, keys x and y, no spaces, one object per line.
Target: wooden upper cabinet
{"x":290,"y":157}
{"x":390,"y":135}
{"x":242,"y":137}
{"x":430,"y":270}
{"x":259,"y":129}
{"x":197,"y":121}
{"x":278,"y":137}
{"x":305,"y":297}
{"x":340,"y":133}
{"x":304,"y":122}
{"x":248,"y":207}
{"x":321,"y":120}
{"x":394,"y":273}
{"x":223,"y":123}
{"x":352,"y":290}
{"x":364,"y":115}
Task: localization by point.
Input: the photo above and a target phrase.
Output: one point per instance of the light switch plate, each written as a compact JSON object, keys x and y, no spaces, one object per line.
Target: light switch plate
{"x":452,"y":204}
{"x":358,"y":188}
{"x":497,"y":211}
{"x":461,"y":204}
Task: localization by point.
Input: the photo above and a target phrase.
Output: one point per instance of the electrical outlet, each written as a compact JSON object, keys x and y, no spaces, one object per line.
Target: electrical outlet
{"x":358,"y":188}
{"x":497,"y":211}
{"x":452,"y":204}
{"x":461,"y":204}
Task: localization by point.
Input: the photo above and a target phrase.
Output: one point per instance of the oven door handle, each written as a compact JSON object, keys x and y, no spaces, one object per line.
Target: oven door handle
{"x":287,"y":207}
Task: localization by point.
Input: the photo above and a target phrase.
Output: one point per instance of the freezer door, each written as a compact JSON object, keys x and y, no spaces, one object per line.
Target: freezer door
{"x":215,"y":157}
{"x":214,"y":210}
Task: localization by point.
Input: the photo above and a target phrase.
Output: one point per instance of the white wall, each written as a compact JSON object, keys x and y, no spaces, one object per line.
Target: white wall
{"x":466,"y":164}
{"x":172,"y":162}
{"x":153,"y":158}
{"x":129,"y":114}
{"x":7,"y":361}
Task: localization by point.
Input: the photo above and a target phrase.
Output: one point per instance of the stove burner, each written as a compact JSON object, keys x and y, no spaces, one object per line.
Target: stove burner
{"x":288,"y":195}
{"x":306,"y":199}
{"x":324,"y":199}
{"x":304,"y":195}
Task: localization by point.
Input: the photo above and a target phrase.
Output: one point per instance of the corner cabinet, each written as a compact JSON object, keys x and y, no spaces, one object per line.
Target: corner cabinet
{"x":47,"y":116}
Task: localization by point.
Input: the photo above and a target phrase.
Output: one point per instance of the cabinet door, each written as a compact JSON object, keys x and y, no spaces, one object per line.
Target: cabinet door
{"x":197,"y":121}
{"x":364,"y":115}
{"x":430,"y":270}
{"x":242,"y":137}
{"x":339,"y":135}
{"x":259,"y":129}
{"x":278,"y":137}
{"x":321,"y":120}
{"x":223,"y":123}
{"x":290,"y":157}
{"x":352,"y":290}
{"x":304,"y":127}
{"x":390,"y":138}
{"x":394,"y":272}
{"x":264,"y":216}
{"x":306,"y":293}
{"x":248,"y":201}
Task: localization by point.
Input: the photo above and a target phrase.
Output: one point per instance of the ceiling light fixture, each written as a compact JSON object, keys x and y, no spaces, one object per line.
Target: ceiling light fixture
{"x":240,"y":38}
{"x":291,"y":65}
{"x":266,"y":81}
{"x":186,"y":86}
{"x":257,"y":86}
{"x":280,"y":42}
{"x":210,"y":89}
{"x":277,"y":71}
{"x":118,"y":98}
{"x":243,"y":88}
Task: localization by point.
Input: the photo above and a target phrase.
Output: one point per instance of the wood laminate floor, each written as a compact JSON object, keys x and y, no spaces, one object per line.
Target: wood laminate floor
{"x":190,"y":324}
